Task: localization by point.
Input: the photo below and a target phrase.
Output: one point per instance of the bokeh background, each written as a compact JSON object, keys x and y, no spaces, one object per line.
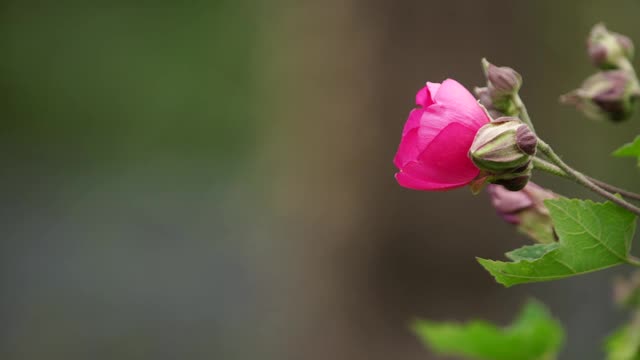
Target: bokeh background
{"x":213,"y":179}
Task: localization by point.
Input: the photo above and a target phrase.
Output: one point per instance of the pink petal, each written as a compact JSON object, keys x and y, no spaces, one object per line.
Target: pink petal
{"x":508,"y":201}
{"x":510,"y":218}
{"x":413,"y":121}
{"x":422,"y":97}
{"x":437,"y":117}
{"x":445,"y":160}
{"x":455,"y":96}
{"x":408,"y":149}
{"x":412,"y":177}
{"x":433,"y":89}
{"x":423,"y":127}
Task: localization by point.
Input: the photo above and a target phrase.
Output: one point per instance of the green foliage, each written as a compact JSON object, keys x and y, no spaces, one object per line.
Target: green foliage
{"x":534,"y":335}
{"x":624,"y":344}
{"x":531,"y":252}
{"x":593,"y":236}
{"x":631,"y":149}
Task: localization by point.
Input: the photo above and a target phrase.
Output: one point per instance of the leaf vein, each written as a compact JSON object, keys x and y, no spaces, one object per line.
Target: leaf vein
{"x":597,"y":239}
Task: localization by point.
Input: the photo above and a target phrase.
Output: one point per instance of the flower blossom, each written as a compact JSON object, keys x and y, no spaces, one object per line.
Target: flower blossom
{"x":433,"y":152}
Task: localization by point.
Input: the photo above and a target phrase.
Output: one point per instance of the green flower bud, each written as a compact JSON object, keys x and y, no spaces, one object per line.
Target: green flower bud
{"x":502,"y":84}
{"x":606,"y":95}
{"x":504,"y":147}
{"x":606,"y":49}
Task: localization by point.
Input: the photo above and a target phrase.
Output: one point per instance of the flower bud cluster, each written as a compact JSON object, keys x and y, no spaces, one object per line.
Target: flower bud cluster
{"x":611,"y":93}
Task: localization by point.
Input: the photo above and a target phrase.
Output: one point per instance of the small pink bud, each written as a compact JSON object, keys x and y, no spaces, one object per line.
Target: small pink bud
{"x":503,"y":80}
{"x":502,"y":83}
{"x":484,"y":98}
{"x":525,"y":208}
{"x":607,"y":49}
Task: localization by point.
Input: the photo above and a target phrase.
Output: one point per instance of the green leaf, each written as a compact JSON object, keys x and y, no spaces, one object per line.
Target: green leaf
{"x":631,"y":149}
{"x":531,"y":252}
{"x":624,"y":344}
{"x":593,"y":236}
{"x":534,"y":335}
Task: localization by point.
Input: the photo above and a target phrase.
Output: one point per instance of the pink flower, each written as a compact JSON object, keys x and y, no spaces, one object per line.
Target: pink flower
{"x":433,"y":152}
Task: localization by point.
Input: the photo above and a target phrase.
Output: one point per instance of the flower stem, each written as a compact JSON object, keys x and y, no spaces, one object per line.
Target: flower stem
{"x":615,"y":189}
{"x":584,"y":180}
{"x":522,"y":111}
{"x":548,"y":167}
{"x":632,"y":260}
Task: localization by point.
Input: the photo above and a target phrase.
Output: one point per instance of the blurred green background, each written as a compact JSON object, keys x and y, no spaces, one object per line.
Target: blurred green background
{"x":213,"y":179}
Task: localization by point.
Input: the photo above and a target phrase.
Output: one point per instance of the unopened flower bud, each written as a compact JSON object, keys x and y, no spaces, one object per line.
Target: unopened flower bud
{"x":515,"y":181}
{"x":485,"y":100}
{"x":525,"y":209}
{"x":502,"y":79}
{"x":504,"y":146}
{"x":502,"y":82}
{"x":607,"y":49}
{"x":606,"y":95}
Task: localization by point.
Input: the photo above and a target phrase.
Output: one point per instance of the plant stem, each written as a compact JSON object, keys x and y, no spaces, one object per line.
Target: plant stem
{"x":546,"y":166}
{"x":584,"y":180}
{"x":615,"y":189}
{"x":522,"y":112}
{"x":632,"y":260}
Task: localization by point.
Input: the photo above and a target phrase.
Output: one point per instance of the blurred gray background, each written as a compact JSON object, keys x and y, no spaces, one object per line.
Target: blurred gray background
{"x":214,"y":179}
